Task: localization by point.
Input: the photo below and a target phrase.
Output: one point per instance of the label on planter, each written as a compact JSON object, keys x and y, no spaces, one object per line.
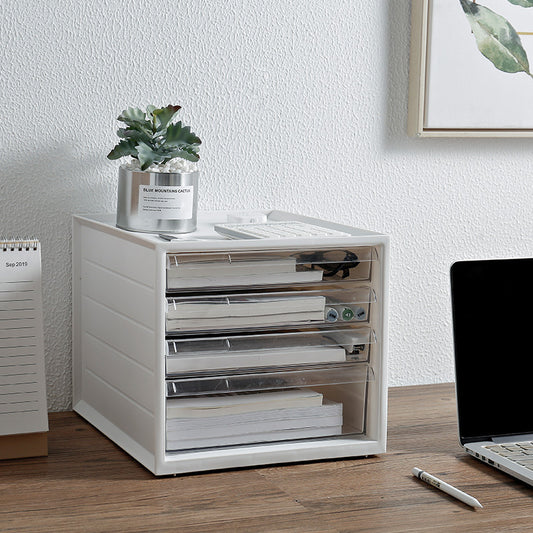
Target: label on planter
{"x":166,"y":201}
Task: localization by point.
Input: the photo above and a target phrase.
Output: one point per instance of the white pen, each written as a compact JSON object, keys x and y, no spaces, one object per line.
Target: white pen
{"x":448,"y":489}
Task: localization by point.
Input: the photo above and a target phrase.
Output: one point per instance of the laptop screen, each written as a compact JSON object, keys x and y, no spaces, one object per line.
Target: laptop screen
{"x":492,"y":305}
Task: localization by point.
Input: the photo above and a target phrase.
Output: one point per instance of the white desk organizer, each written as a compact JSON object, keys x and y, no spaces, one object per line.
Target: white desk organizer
{"x":205,"y":352}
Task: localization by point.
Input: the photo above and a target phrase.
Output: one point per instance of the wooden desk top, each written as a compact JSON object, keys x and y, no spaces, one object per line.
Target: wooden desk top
{"x":88,"y":484}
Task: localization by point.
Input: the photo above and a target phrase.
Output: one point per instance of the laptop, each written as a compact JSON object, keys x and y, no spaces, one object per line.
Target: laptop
{"x":492,"y":308}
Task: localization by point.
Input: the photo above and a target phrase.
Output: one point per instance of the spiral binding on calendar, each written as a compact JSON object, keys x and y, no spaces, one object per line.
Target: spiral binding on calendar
{"x":19,"y":244}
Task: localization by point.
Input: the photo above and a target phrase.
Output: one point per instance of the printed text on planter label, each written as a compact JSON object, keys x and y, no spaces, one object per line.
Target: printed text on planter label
{"x":166,"y":202}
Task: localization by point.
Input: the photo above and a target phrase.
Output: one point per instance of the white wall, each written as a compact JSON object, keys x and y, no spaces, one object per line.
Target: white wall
{"x":301,"y":106}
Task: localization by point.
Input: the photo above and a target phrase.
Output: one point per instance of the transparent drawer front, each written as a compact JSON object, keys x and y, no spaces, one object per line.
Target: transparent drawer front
{"x":250,"y":380}
{"x":260,"y":268}
{"x":305,"y":412}
{"x":268,"y":349}
{"x":267,"y":310}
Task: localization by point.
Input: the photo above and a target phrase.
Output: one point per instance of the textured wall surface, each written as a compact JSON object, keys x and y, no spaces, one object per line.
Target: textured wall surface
{"x":301,"y":106}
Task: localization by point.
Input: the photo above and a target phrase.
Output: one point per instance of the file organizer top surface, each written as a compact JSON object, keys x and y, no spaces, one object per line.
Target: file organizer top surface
{"x":23,"y":407}
{"x":205,"y":237}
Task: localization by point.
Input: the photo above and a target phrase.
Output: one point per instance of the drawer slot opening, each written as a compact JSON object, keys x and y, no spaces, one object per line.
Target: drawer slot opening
{"x":187,"y":272}
{"x":207,"y":354}
{"x":268,"y":310}
{"x":215,"y":421}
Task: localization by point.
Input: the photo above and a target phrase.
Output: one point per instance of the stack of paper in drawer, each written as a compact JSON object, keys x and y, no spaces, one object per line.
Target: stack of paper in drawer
{"x":231,"y":419}
{"x":243,"y":311}
{"x":221,"y":274}
{"x":258,"y":351}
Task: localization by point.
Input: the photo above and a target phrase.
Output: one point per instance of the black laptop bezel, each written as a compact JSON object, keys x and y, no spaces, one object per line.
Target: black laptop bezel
{"x":458,"y":270}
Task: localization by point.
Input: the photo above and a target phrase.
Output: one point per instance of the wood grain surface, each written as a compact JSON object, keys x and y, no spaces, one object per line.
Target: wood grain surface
{"x":88,"y":484}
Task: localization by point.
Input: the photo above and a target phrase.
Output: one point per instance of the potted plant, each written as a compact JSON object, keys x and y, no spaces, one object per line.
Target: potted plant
{"x":158,"y":187}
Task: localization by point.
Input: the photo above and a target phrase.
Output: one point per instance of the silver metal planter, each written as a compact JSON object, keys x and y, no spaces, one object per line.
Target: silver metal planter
{"x":157,"y":202}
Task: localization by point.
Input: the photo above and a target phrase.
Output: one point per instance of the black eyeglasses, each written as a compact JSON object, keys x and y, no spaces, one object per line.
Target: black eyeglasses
{"x":327,"y":261}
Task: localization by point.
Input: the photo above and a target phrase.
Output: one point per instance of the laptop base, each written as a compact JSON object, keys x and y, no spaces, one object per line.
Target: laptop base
{"x":480,"y":451}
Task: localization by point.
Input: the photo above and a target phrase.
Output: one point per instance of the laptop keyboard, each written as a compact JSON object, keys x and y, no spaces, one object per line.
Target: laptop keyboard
{"x":519,"y":452}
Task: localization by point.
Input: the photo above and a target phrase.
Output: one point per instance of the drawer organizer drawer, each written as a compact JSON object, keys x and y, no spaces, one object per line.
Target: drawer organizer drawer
{"x":268,"y":349}
{"x":245,"y":269}
{"x":268,"y":309}
{"x":252,"y":380}
{"x":246,"y":409}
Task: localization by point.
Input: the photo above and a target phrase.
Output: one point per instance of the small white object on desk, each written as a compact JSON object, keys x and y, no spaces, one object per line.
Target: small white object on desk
{"x":247,"y":217}
{"x":285,"y":229}
{"x":448,"y":489}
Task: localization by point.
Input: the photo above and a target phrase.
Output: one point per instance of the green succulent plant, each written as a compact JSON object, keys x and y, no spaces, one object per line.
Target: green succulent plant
{"x":153,"y":137}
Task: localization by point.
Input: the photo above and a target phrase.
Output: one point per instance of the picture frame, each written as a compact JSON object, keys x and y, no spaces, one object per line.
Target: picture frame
{"x":457,"y":87}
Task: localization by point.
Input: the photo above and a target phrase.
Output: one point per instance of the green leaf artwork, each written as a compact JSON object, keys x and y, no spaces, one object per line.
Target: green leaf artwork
{"x":523,"y":3}
{"x":496,"y":38}
{"x":152,"y":137}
